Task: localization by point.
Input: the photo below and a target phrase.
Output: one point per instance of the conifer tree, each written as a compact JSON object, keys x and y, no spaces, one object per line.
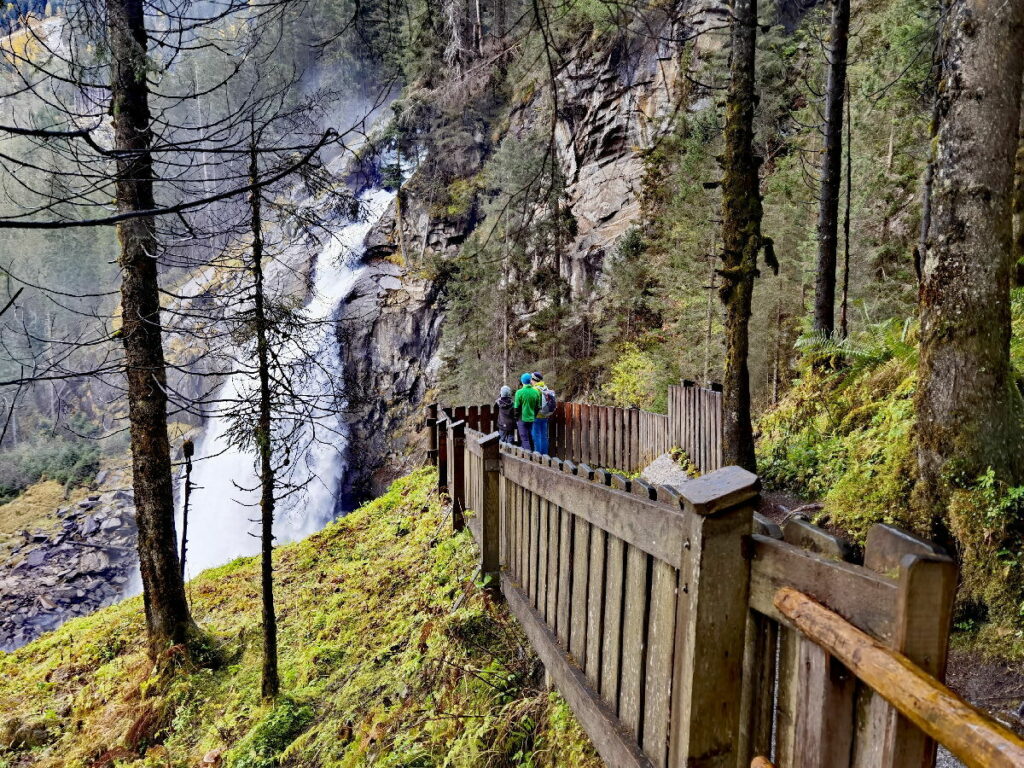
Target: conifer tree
{"x":969,"y":410}
{"x":742,"y":239}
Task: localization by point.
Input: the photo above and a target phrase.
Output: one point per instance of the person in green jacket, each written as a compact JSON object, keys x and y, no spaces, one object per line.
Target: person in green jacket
{"x":526,"y":404}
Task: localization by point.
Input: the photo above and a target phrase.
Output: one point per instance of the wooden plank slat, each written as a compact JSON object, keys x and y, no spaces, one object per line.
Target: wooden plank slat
{"x":552,"y":575}
{"x":584,"y":456}
{"x":595,"y":606}
{"x":578,"y":606}
{"x":658,"y":678}
{"x":611,"y":640}
{"x":620,"y":440}
{"x":634,"y":630}
{"x":866,"y":599}
{"x":656,"y":528}
{"x":615,"y":746}
{"x":635,"y":462}
{"x":542,"y":557}
{"x":757,"y":703}
{"x":824,"y":709}
{"x":562,"y":610}
{"x":533,"y":524}
{"x":577,"y":430}
{"x":523,"y":542}
{"x":786,"y":700}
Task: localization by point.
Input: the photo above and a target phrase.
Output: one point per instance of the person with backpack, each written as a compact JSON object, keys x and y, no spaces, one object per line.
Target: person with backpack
{"x":506,"y":415}
{"x":526,"y":404}
{"x":539,"y":433}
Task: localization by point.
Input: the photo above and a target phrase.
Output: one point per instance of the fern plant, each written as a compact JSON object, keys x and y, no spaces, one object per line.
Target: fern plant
{"x":892,"y":339}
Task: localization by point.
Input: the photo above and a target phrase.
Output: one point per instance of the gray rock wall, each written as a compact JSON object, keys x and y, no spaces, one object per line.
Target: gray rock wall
{"x":615,"y":102}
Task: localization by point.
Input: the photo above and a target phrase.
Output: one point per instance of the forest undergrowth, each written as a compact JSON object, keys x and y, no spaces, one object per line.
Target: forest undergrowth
{"x":844,"y":435}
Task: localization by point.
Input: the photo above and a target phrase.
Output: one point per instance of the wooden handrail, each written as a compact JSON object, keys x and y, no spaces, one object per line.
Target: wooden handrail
{"x":969,"y":734}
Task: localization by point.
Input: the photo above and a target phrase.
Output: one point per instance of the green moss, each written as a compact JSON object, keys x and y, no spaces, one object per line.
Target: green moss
{"x":845,"y":437}
{"x":844,"y":434}
{"x":388,"y":655}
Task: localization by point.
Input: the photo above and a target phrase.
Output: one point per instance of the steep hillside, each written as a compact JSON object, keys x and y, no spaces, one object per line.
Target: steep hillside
{"x":390,"y":655}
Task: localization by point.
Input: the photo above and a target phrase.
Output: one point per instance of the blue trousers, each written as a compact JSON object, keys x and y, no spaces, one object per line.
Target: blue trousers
{"x":540,"y":436}
{"x":524,"y":435}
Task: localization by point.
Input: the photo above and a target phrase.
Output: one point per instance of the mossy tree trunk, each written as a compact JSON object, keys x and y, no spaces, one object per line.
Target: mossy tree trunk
{"x":741,"y":234}
{"x":167,"y":615}
{"x":271,"y":684}
{"x":831,"y":172}
{"x":968,"y":408}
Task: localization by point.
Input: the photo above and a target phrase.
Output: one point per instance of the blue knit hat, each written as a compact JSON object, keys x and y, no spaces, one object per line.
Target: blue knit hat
{"x":525,"y":378}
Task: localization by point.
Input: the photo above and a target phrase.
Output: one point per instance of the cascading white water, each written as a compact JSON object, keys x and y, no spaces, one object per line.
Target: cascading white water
{"x":223,"y":516}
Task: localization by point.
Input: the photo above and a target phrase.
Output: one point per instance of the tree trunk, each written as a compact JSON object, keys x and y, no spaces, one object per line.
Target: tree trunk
{"x":741,"y":235}
{"x":844,"y":324}
{"x":167,"y":616}
{"x":831,"y":172}
{"x":968,"y":409}
{"x":929,"y":168}
{"x":1018,"y":209}
{"x":271,"y":684}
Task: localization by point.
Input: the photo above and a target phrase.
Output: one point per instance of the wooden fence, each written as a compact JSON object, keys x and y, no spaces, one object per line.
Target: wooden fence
{"x":623,"y":439}
{"x":635,"y":603}
{"x":685,"y":630}
{"x":695,"y":423}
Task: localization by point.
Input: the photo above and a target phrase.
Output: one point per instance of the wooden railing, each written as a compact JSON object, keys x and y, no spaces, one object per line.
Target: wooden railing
{"x":634,"y":598}
{"x":659,"y":614}
{"x":623,"y":439}
{"x":799,"y":704}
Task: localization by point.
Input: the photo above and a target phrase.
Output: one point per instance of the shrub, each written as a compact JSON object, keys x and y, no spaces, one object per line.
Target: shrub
{"x":68,"y":461}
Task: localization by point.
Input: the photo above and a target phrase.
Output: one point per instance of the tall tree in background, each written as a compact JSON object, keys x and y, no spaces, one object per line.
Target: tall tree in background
{"x":167,"y":614}
{"x":741,"y":234}
{"x":831,"y":171}
{"x":968,"y":409}
{"x":1018,"y":207}
{"x":271,"y":683}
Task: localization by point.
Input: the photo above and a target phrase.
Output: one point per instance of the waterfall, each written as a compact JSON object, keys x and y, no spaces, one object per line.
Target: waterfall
{"x":224,"y":510}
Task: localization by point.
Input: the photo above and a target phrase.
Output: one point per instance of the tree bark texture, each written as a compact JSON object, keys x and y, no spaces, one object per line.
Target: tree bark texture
{"x":741,"y":235}
{"x":167,"y":615}
{"x":968,"y":409}
{"x":271,"y":684}
{"x":1018,"y":208}
{"x":844,"y":324}
{"x":831,"y":172}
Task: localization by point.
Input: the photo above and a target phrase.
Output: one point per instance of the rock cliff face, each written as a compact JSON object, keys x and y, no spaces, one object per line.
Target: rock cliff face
{"x":389,"y":330}
{"x":614,"y":103}
{"x":84,"y":562}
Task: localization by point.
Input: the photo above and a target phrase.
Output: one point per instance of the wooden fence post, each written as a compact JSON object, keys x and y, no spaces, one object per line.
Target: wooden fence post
{"x":711,"y":619}
{"x":456,"y":472}
{"x":431,"y":423}
{"x":490,"y":512}
{"x":441,"y":433}
{"x":927,"y":584}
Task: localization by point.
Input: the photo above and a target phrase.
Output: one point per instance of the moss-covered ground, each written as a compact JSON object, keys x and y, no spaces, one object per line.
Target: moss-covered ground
{"x":390,"y":656}
{"x":844,"y":434}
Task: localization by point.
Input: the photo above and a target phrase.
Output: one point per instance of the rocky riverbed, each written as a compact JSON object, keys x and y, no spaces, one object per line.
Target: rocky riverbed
{"x":85,"y":561}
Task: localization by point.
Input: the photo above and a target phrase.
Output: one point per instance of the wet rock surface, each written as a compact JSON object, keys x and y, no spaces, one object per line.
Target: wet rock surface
{"x":85,"y":561}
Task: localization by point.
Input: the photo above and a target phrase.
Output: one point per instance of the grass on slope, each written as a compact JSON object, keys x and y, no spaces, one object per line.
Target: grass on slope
{"x":33,"y":509}
{"x":390,"y":656}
